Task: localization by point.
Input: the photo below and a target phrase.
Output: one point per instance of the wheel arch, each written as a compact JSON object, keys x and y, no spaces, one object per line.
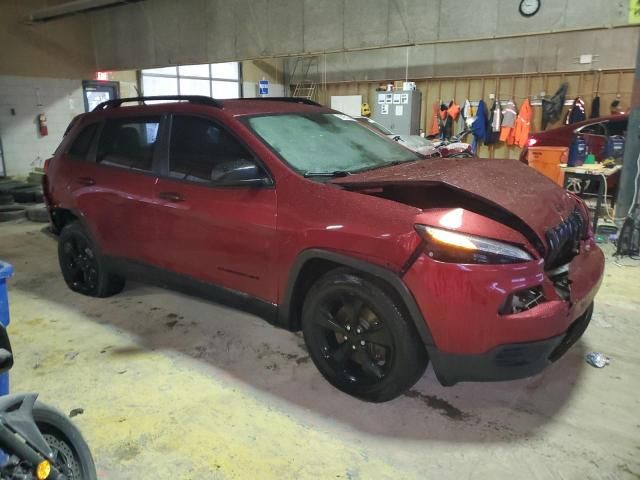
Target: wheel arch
{"x":311,"y":264}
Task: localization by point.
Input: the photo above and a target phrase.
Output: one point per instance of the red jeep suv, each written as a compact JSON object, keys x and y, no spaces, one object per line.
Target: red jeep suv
{"x":293,"y":211}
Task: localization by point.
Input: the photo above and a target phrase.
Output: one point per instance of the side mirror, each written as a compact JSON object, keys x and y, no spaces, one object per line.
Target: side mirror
{"x":239,"y":172}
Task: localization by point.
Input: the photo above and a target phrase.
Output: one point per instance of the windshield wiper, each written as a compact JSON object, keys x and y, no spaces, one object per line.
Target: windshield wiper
{"x":335,"y":173}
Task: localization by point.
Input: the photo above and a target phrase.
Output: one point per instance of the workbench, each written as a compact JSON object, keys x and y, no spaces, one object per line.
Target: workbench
{"x":593,"y":173}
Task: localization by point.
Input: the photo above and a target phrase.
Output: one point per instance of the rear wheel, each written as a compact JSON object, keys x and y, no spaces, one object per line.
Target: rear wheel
{"x":360,"y":339}
{"x":83,"y":269}
{"x":71,"y":454}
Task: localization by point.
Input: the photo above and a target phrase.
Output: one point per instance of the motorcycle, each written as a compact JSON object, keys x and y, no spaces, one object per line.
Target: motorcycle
{"x":37,"y":441}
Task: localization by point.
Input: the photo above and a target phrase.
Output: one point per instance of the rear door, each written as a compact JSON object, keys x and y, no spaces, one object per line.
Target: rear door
{"x":211,"y":227}
{"x":113,"y":189}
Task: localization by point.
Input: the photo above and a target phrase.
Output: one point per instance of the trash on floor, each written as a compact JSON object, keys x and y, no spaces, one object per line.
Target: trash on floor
{"x":597,"y":359}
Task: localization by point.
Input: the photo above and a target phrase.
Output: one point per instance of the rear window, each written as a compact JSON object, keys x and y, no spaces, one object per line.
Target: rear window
{"x":129,"y":143}
{"x":80,"y":147}
{"x":595,"y":129}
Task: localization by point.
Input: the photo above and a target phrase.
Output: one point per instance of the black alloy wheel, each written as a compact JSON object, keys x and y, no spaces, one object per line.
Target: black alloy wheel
{"x":360,"y":338}
{"x":83,"y":269}
{"x":353,"y":338}
{"x":80,"y":264}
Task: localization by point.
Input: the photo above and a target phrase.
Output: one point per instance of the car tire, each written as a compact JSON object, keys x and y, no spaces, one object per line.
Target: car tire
{"x":83,"y":268}
{"x":11,"y":212}
{"x":360,"y":338}
{"x":38,"y":214}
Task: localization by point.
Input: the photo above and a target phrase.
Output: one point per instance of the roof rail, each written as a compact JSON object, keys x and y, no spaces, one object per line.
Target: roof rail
{"x":200,"y":99}
{"x":302,"y":100}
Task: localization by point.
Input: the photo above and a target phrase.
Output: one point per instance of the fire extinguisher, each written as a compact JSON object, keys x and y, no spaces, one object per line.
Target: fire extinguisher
{"x":42,"y":125}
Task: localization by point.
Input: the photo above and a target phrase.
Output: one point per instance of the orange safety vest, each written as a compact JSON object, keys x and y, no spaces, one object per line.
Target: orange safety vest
{"x":523,"y":124}
{"x":435,"y":126}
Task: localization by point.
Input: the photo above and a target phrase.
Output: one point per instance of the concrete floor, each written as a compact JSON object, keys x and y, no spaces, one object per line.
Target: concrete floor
{"x":176,"y":387}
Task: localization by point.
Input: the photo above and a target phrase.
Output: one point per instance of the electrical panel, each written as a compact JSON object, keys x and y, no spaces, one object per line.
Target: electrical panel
{"x":399,"y":111}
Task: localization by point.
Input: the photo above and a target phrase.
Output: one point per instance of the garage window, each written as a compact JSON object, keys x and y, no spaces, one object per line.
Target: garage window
{"x":128,"y":143}
{"x":218,"y":80}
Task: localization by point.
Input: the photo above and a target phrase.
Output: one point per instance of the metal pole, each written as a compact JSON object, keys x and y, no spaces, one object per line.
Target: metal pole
{"x":628,"y":183}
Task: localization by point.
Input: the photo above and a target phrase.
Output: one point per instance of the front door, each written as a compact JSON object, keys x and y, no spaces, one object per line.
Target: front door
{"x":210,"y":228}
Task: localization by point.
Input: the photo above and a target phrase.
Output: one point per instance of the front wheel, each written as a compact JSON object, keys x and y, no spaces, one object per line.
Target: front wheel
{"x":71,"y":454}
{"x":359,"y":337}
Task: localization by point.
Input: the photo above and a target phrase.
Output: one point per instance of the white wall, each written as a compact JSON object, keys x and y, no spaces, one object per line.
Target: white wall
{"x":59,"y":99}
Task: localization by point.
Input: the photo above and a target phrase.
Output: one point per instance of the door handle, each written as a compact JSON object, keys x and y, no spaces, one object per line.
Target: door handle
{"x":171,"y":196}
{"x":88,"y":181}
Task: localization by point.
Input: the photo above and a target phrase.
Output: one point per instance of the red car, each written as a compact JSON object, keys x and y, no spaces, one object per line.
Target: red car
{"x":594,"y":131}
{"x":383,"y":259}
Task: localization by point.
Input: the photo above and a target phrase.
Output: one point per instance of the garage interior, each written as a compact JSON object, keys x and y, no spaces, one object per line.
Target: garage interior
{"x":166,"y":385}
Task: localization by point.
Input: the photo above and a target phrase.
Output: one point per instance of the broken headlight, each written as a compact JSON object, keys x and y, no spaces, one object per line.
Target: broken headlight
{"x":456,"y":247}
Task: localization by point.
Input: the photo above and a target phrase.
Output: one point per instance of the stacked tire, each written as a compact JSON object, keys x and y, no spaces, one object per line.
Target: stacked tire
{"x":13,"y":197}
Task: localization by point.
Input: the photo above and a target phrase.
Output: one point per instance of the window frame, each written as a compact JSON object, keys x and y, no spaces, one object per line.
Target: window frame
{"x":210,"y":79}
{"x":164,"y":157}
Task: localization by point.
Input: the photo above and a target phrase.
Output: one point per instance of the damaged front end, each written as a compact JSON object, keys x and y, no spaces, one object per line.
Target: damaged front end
{"x":507,"y":258}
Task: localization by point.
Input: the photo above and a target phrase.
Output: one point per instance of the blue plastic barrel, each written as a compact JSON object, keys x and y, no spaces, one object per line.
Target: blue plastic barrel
{"x":6,"y":271}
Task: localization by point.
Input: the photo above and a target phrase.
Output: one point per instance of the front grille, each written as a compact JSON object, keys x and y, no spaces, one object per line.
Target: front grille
{"x":563,"y":241}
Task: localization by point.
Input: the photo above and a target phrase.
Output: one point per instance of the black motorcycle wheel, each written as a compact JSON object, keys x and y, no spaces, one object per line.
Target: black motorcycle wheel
{"x":71,"y":454}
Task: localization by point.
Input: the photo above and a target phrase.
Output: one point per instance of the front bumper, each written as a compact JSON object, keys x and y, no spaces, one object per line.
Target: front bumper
{"x":461,"y":306}
{"x":507,"y":362}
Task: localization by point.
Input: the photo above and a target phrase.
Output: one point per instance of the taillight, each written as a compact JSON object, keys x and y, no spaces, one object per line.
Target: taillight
{"x":531,"y":142}
{"x":46,"y":165}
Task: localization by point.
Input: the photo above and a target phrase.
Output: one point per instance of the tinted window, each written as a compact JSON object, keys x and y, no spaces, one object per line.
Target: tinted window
{"x":200,"y":147}
{"x":128,"y":142}
{"x":618,"y":127}
{"x":82,"y":143}
{"x":595,"y":129}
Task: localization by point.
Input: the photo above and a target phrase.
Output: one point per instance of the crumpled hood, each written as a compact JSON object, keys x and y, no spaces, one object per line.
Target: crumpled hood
{"x":507,"y":184}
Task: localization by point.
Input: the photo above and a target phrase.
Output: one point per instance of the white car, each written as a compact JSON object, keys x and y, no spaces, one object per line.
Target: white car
{"x":415,"y":143}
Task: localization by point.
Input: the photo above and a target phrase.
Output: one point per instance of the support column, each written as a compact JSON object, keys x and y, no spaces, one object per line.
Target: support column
{"x":628,"y":184}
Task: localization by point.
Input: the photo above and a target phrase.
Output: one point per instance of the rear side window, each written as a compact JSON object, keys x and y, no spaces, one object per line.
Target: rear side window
{"x":129,"y":143}
{"x":595,"y":129}
{"x":82,"y":143}
{"x":199,"y":147}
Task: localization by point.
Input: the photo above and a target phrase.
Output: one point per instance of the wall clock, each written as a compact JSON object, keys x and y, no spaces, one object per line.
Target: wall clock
{"x":528,"y":8}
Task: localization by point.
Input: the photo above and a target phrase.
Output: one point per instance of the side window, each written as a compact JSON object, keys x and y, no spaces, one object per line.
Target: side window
{"x":129,"y":143}
{"x":617,"y":127}
{"x":201,"y":151}
{"x":82,"y":143}
{"x":594,"y":129}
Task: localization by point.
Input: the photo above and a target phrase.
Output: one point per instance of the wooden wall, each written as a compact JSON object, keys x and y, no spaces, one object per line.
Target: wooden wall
{"x":609,"y":85}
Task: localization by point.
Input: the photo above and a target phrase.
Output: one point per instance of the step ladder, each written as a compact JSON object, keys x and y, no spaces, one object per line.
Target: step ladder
{"x":305,"y":77}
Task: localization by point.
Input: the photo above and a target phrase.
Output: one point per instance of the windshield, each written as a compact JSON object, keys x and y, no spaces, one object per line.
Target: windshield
{"x":327,"y":142}
{"x":374,"y":125}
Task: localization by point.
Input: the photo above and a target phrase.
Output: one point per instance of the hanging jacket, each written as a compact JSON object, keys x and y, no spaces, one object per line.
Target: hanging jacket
{"x":493,"y":129}
{"x":552,"y":108}
{"x":595,"y":108}
{"x":509,"y":115}
{"x":465,"y":114}
{"x":445,"y":123}
{"x":577,"y":112}
{"x":479,"y":127}
{"x":454,"y":110}
{"x":523,"y":124}
{"x":435,"y":127}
